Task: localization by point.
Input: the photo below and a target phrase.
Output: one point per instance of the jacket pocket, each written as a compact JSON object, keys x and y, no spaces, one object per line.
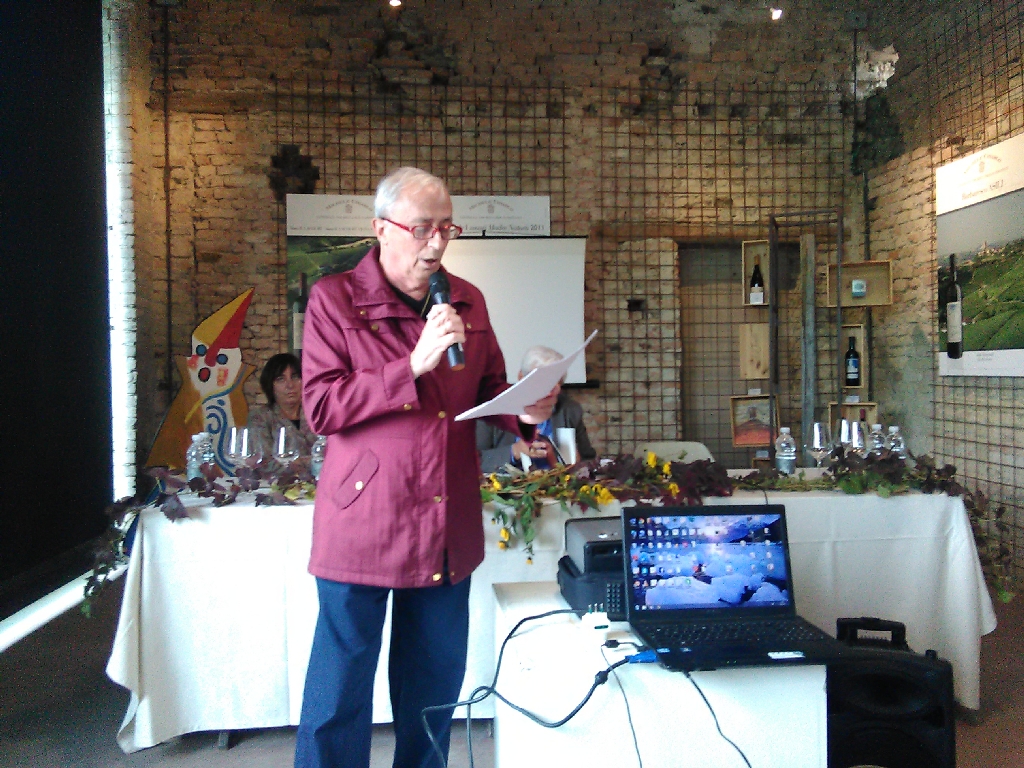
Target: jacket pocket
{"x":352,"y":485}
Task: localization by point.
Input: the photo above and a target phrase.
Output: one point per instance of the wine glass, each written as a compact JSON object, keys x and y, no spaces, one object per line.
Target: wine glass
{"x":842,"y":434}
{"x":821,"y":442}
{"x":286,"y":447}
{"x":858,"y":439}
{"x":240,"y":447}
{"x":317,"y":454}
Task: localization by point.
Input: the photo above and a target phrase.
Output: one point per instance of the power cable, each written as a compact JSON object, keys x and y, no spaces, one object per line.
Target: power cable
{"x":482,"y":692}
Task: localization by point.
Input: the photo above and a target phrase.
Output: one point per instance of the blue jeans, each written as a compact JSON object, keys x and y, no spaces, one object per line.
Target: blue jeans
{"x":429,"y":632}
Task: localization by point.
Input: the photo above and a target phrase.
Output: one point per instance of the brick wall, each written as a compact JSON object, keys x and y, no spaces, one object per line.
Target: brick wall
{"x":961,"y":89}
{"x":648,"y":123}
{"x":660,"y":101}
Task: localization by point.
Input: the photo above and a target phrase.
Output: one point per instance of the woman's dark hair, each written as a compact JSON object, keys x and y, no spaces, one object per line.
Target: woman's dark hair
{"x":275,"y":366}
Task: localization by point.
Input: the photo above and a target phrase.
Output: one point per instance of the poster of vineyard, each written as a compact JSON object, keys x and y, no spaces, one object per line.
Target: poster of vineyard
{"x":980,"y":233}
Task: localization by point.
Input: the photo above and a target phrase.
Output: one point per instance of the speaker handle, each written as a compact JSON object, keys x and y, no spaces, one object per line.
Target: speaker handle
{"x":847,"y":629}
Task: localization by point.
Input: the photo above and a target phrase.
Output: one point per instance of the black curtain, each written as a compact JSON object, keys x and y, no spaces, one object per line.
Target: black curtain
{"x":55,"y":458}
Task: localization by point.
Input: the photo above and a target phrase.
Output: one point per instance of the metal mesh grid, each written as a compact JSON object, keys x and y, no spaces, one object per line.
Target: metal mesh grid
{"x":481,"y":139}
{"x":978,"y":71}
{"x":700,"y":171}
{"x":639,"y":172}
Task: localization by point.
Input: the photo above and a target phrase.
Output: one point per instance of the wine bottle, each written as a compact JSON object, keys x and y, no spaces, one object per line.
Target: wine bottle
{"x":852,"y":364}
{"x":757,"y":284}
{"x":299,"y":315}
{"x":954,"y":314}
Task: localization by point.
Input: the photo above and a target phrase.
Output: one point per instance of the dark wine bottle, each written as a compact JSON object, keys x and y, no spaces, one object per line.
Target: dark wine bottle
{"x":954,"y":314}
{"x":852,"y":364}
{"x":299,"y":315}
{"x":757,"y":284}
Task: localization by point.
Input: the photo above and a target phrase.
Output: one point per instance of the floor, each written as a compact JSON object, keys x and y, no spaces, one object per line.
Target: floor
{"x":57,"y":707}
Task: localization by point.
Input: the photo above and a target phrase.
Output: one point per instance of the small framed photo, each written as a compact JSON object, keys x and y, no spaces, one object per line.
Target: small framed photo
{"x":751,"y":421}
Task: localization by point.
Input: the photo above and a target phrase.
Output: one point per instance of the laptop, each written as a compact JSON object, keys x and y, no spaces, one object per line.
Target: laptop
{"x":711,"y":588}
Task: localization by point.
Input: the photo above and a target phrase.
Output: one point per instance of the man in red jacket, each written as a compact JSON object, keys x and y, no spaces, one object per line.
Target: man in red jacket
{"x":398,"y":503}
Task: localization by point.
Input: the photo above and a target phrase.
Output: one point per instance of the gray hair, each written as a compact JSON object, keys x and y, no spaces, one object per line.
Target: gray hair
{"x":537,"y":356}
{"x":398,"y":181}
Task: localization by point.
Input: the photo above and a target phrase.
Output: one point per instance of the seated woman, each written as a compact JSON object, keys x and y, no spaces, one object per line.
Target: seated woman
{"x":281,"y":382}
{"x":498,"y":448}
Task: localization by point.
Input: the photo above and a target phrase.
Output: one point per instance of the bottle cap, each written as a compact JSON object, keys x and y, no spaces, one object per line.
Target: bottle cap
{"x":876,"y":426}
{"x":893,"y":429}
{"x":784,"y":430}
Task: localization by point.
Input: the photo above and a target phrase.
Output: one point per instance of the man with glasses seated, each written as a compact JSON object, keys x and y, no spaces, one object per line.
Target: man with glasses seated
{"x":498,"y":448}
{"x":398,"y":506}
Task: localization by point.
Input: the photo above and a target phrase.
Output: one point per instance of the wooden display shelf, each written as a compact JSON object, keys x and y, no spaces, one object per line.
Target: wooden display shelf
{"x":755,"y":251}
{"x":754,"y":351}
{"x":857,"y":331}
{"x":851,"y":411}
{"x":877,"y":276}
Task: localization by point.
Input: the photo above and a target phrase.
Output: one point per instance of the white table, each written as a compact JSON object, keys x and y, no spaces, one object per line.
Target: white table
{"x":550,"y":664}
{"x":219,"y":610}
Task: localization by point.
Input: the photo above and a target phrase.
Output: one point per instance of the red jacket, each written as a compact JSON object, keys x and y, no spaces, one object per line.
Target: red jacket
{"x":401,"y":482}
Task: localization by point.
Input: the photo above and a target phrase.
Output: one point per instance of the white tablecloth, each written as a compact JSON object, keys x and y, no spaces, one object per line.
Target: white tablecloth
{"x":218,"y":611}
{"x":218,"y":615}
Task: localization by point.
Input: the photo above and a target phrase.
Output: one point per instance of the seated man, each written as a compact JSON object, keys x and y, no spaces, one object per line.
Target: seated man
{"x":498,"y":448}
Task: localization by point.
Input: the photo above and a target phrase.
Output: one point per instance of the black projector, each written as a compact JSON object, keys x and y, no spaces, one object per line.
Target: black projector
{"x":590,"y":574}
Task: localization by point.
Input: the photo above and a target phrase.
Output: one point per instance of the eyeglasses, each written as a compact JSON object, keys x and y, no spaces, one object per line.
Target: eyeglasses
{"x":426,"y":231}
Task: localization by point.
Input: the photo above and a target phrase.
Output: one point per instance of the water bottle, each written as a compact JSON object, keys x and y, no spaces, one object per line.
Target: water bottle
{"x":785,"y":452}
{"x":896,"y":443}
{"x":317,"y":455}
{"x":876,"y":440}
{"x":194,"y":456}
{"x":209,"y":453}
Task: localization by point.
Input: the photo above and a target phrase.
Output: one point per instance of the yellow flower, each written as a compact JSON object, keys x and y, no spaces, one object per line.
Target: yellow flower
{"x":495,"y":484}
{"x":673,"y":489}
{"x":666,"y":468}
{"x":604,"y":496}
{"x":505,"y":535}
{"x":502,"y":545}
{"x":584,"y":489}
{"x":529,"y":561}
{"x":652,"y":459}
{"x":565,"y":478}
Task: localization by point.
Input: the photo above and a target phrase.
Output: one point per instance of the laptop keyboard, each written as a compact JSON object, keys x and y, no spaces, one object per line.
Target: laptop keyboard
{"x":770,"y":631}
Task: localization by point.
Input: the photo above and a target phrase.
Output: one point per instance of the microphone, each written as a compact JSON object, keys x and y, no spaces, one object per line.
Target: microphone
{"x":439,"y":292}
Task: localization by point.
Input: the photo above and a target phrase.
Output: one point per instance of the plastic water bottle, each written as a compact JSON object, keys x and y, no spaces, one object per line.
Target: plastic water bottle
{"x":896,"y":443}
{"x":209,"y":453}
{"x":317,"y":455}
{"x":194,"y":456}
{"x":876,"y":440}
{"x":785,"y":452}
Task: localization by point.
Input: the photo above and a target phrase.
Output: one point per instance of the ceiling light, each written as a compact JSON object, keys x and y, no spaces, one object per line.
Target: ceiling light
{"x":395,"y":3}
{"x":776,"y":13}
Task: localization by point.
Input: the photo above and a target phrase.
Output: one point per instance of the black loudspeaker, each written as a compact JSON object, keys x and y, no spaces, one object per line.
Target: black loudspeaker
{"x":890,"y":708}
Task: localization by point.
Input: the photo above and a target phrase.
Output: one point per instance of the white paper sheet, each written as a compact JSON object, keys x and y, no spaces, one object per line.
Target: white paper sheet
{"x":528,"y":390}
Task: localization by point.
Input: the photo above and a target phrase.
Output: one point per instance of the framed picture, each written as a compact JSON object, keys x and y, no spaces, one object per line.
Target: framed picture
{"x":751,"y":424}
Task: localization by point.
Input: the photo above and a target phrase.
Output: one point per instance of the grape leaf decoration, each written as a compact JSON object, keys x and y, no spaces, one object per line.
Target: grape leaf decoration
{"x":173,"y":509}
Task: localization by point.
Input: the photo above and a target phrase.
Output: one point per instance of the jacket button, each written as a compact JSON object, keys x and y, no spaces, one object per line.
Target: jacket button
{"x":469,"y":327}
{"x":436,"y":577}
{"x":406,"y":407}
{"x":441,"y":414}
{"x":362,"y":313}
{"x":438,"y":499}
{"x":359,"y":485}
{"x":451,"y":574}
{"x":374,"y":327}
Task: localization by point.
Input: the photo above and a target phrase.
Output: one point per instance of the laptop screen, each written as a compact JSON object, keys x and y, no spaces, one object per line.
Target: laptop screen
{"x":706,"y":558}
